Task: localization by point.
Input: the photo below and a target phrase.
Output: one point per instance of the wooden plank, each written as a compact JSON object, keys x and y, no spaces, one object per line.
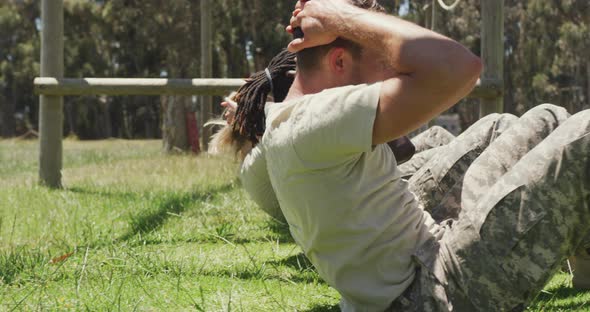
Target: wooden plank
{"x":51,"y":106}
{"x":133,"y":86}
{"x":490,"y":89}
{"x":492,"y":53}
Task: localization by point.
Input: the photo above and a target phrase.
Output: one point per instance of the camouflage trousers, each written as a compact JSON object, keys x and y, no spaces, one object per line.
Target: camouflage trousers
{"x":511,"y":195}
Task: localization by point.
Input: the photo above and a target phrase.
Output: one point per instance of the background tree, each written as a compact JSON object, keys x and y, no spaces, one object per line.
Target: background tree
{"x":19,"y":62}
{"x":545,"y":54}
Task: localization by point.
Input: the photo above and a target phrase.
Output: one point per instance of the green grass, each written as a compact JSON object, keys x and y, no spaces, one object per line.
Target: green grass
{"x":136,"y":230}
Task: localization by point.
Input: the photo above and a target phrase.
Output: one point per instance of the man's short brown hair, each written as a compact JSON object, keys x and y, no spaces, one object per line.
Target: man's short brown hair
{"x":309,"y":58}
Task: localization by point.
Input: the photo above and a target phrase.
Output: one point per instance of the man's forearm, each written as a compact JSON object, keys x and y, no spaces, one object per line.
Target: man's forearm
{"x":431,"y":72}
{"x":405,"y":47}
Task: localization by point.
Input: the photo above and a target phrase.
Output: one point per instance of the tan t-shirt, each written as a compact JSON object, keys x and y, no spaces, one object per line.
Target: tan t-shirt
{"x":344,"y":200}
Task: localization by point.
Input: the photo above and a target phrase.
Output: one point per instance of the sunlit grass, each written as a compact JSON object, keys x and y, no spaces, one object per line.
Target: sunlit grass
{"x":134,"y":229}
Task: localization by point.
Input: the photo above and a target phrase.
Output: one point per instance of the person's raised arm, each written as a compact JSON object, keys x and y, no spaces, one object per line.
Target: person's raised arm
{"x":433,"y":71}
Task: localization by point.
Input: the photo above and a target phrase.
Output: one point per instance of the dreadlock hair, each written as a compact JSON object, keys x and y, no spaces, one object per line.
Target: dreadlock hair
{"x":252,"y":96}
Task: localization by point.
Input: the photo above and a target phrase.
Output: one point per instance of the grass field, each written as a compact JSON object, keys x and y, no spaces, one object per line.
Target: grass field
{"x":135,"y":230}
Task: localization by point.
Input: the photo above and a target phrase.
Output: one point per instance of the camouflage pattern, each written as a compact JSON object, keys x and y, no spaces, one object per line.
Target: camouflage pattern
{"x":512,"y":207}
{"x":433,"y":137}
{"x":580,"y":265}
{"x":427,"y":144}
{"x":435,"y":179}
{"x":418,"y":161}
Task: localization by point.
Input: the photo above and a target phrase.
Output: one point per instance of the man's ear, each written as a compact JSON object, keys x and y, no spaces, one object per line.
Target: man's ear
{"x":338,"y":59}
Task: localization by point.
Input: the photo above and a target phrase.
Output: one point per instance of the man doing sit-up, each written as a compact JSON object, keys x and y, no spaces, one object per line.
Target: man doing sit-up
{"x":481,"y":226}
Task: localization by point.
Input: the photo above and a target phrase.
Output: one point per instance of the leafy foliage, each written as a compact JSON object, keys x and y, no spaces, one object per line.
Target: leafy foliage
{"x":545,"y":40}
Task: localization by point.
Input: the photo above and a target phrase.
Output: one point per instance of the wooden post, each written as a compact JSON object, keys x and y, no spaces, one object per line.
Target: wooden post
{"x":206,"y":69}
{"x":51,"y":107}
{"x":492,"y":53}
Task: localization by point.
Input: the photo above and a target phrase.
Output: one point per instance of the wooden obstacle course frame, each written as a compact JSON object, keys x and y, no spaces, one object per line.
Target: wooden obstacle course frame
{"x":52,"y":86}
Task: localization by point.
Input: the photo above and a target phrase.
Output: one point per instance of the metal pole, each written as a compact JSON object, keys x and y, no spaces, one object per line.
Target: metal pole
{"x":206,"y":68}
{"x":492,"y":53}
{"x":51,"y":107}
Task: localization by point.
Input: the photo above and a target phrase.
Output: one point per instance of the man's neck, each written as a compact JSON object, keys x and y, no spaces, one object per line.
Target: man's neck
{"x":297,"y":90}
{"x":306,"y":84}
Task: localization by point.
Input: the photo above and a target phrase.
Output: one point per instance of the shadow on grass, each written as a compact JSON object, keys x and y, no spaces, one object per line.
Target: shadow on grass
{"x":324,"y":308}
{"x":279,"y":231}
{"x":103,"y":193}
{"x":561,"y":298}
{"x":306,"y":272}
{"x":170,"y":205}
{"x":298,"y":262}
{"x":264,"y":274}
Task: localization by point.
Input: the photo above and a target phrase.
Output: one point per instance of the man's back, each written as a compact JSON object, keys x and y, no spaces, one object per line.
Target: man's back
{"x":344,"y":200}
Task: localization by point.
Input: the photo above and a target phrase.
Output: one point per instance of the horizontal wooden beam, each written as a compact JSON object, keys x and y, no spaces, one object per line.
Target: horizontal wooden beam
{"x":132,"y":86}
{"x":487,"y":89}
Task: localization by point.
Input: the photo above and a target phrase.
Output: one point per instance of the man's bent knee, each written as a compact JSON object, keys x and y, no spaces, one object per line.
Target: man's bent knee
{"x":491,"y":126}
{"x":559,"y":114}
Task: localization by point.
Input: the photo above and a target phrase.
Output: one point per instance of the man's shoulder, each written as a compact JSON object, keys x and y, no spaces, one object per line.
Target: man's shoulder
{"x":317,"y":103}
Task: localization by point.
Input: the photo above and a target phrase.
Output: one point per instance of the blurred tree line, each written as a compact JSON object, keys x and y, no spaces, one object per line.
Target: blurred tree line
{"x":546,"y":53}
